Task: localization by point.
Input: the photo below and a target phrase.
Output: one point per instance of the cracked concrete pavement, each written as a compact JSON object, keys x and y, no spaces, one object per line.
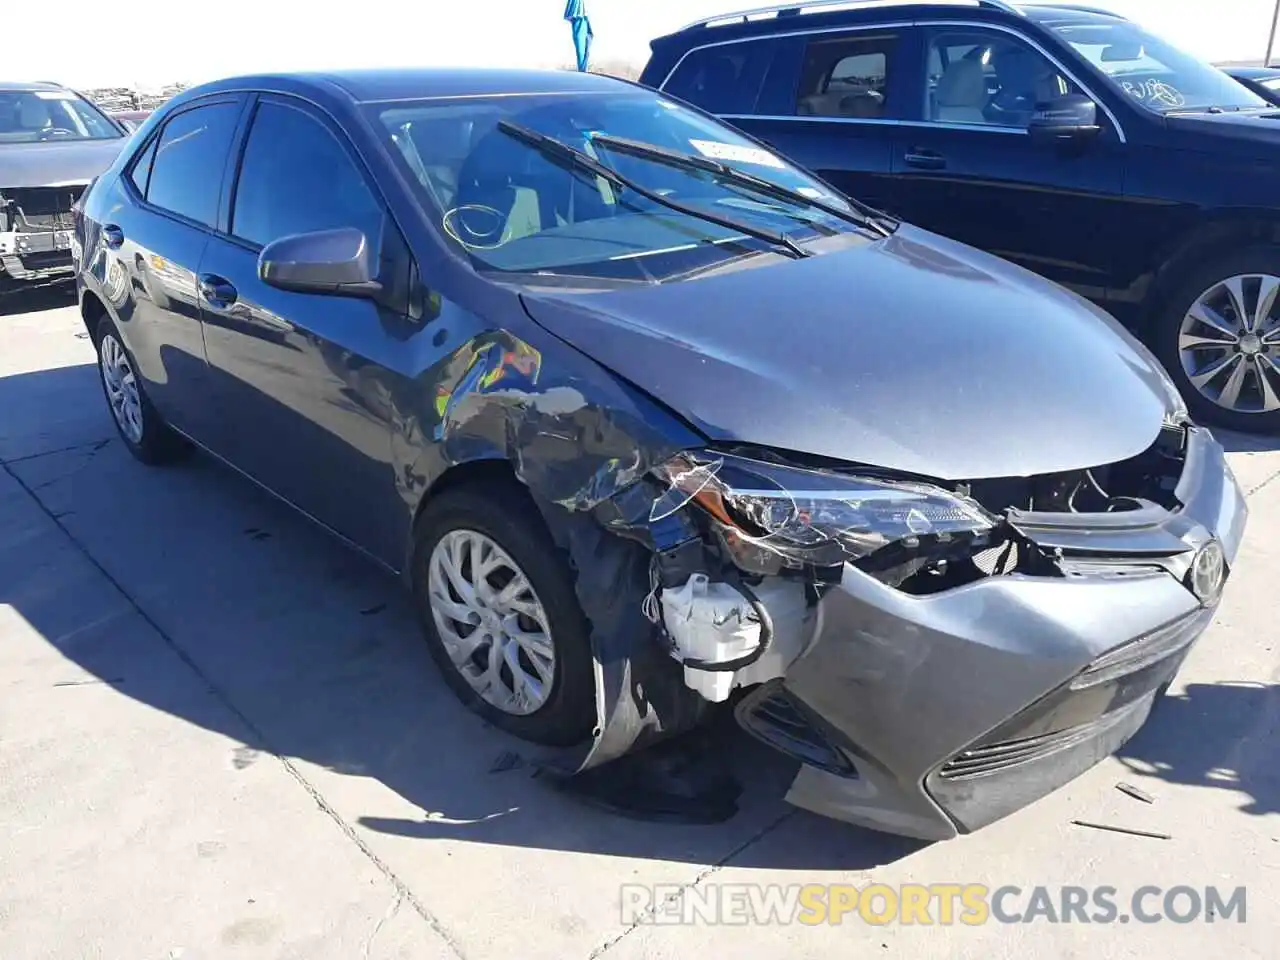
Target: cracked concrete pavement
{"x":220,"y":736}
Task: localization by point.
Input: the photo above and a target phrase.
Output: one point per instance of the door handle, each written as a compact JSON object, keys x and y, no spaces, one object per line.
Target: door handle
{"x":112,"y":236}
{"x":924,"y":159}
{"x":216,"y":290}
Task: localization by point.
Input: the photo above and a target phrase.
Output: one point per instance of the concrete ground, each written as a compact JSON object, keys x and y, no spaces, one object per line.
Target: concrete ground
{"x":220,"y":736}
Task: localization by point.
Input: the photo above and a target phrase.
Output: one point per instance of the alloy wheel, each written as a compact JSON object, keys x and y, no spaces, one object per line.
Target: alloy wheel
{"x":491,"y":622}
{"x":1229,"y":344}
{"x":122,"y":388}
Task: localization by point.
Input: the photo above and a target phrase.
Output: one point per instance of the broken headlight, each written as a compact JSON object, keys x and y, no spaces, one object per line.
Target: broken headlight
{"x":768,"y":512}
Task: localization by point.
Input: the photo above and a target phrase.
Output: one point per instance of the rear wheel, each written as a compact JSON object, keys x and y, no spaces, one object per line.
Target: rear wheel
{"x":140,"y":426}
{"x":1220,"y":339}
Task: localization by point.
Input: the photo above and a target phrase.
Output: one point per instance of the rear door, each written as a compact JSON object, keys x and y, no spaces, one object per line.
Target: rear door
{"x":829,"y":100}
{"x":304,"y":380}
{"x":155,"y":234}
{"x":966,"y":168}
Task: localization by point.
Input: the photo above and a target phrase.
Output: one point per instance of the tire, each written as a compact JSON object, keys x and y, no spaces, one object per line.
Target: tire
{"x":142,"y":429}
{"x":1254,"y":410}
{"x":502,"y":513}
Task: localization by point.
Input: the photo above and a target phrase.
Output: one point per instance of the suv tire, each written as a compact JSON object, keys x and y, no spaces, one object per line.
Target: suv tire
{"x":1251,"y":343}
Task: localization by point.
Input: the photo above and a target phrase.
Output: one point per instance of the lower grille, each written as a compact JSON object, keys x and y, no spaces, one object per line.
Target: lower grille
{"x":773,"y":716}
{"x":995,"y":757}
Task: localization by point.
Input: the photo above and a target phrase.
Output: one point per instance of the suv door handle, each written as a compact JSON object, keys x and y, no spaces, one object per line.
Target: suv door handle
{"x":924,"y":159}
{"x":112,"y":236}
{"x":218,"y":291}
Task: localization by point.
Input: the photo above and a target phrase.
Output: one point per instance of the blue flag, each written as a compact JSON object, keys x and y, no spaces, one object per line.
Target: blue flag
{"x":576,"y":13}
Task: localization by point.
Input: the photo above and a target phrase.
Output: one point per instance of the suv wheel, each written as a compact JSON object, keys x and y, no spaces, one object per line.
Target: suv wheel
{"x":1220,"y":340}
{"x":141,"y":428}
{"x":496,"y":599}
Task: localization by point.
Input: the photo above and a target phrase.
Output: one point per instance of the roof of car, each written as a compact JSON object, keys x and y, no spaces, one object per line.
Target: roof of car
{"x":21,"y":86}
{"x":412,"y":83}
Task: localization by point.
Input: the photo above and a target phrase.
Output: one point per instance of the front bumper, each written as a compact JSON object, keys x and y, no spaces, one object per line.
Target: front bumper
{"x":934,"y":715}
{"x":35,"y":256}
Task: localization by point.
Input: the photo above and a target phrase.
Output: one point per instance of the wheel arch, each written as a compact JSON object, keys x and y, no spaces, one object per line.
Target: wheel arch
{"x":92,"y":310}
{"x":1213,"y":236}
{"x":495,"y":471}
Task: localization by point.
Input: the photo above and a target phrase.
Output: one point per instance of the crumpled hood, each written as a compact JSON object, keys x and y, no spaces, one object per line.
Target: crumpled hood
{"x":54,"y":163}
{"x":912,"y":353}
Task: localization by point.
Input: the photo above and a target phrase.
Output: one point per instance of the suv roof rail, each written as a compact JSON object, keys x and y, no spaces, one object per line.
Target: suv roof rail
{"x":798,"y":7}
{"x":1082,"y":8}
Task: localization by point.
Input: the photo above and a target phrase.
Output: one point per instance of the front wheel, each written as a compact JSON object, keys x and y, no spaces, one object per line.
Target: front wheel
{"x":1219,"y":338}
{"x":497,"y":603}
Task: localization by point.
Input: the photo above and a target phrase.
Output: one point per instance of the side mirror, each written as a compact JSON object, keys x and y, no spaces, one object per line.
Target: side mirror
{"x":1069,"y":119}
{"x":341,"y":262}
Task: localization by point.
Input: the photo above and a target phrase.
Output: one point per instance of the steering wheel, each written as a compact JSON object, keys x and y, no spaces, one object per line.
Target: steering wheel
{"x":55,"y":133}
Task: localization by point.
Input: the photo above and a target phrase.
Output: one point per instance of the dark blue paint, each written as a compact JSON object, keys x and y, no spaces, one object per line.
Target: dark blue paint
{"x":1105,"y":221}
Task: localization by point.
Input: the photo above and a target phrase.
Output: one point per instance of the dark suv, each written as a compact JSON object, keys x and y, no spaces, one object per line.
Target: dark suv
{"x":1065,"y":139}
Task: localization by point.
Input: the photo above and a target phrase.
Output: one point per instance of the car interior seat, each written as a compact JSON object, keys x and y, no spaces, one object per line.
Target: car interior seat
{"x":528,"y":193}
{"x":1026,"y":79}
{"x":33,"y":114}
{"x":962,"y":93}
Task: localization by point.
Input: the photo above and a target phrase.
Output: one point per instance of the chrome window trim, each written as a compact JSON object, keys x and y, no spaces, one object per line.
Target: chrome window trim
{"x":898,"y":24}
{"x":886,"y":122}
{"x":852,"y":28}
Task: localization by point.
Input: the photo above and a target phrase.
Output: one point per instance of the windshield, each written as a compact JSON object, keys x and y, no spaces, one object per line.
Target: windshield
{"x":512,"y":208}
{"x":1158,"y":76}
{"x":35,"y":116}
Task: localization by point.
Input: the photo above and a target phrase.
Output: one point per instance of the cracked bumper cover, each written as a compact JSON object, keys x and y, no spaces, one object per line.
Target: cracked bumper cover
{"x":943,"y":713}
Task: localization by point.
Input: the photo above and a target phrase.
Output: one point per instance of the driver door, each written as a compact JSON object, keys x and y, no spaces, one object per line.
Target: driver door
{"x":966,"y":168}
{"x":304,"y":381}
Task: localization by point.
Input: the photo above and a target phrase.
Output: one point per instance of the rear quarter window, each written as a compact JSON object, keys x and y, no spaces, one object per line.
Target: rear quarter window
{"x":723,"y":79}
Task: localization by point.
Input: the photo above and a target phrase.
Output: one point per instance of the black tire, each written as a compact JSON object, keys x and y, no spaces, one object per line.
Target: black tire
{"x":158,"y":444}
{"x":504,"y":513}
{"x":1194,"y":282}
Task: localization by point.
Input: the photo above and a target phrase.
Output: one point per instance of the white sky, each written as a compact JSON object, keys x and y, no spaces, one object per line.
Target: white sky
{"x":197,"y":40}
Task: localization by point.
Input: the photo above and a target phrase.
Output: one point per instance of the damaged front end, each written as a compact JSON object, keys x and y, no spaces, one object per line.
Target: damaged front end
{"x":934,"y":655}
{"x":37,"y":231}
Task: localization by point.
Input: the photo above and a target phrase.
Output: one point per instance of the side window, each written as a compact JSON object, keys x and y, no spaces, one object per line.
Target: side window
{"x":186,"y":171}
{"x":724,"y":79}
{"x":847,"y":77}
{"x":140,"y":172}
{"x":296,"y":177}
{"x":988,"y":78}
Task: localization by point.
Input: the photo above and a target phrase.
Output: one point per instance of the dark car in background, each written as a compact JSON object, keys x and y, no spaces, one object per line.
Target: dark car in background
{"x":53,"y":142}
{"x":1264,"y":81}
{"x":653,"y":423}
{"x":1065,"y":139}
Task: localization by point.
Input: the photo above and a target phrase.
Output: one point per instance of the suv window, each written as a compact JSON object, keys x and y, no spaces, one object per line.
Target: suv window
{"x":186,"y":172}
{"x":722,"y":79}
{"x":847,"y":77}
{"x":990,"y":78}
{"x":296,"y":177}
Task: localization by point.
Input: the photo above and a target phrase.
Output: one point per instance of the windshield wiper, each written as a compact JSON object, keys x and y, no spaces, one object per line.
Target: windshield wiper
{"x":722,"y":171}
{"x":573,"y":159}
